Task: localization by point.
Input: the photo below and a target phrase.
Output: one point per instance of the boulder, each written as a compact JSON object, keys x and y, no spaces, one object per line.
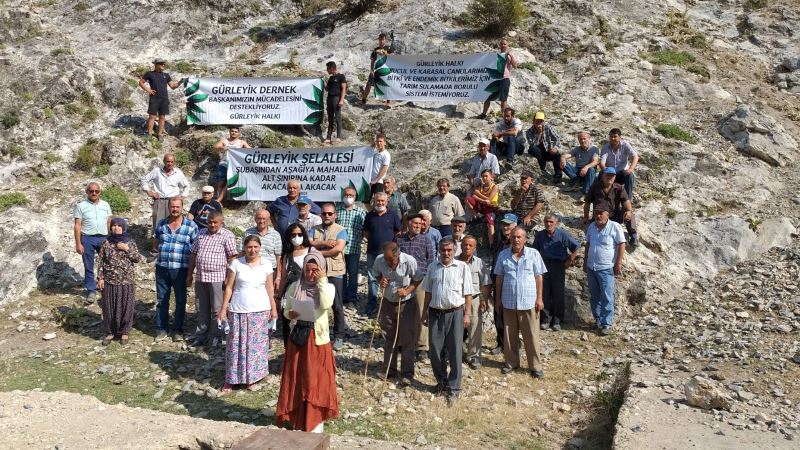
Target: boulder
{"x":706,"y":394}
{"x":758,"y":135}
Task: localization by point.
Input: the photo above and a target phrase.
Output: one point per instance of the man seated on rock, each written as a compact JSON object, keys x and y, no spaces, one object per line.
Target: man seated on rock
{"x":203,"y":206}
{"x":544,"y":144}
{"x":620,"y":155}
{"x":527,"y":201}
{"x":443,"y":207}
{"x":508,"y":137}
{"x":612,"y":194}
{"x":587,"y":157}
{"x":480,"y":162}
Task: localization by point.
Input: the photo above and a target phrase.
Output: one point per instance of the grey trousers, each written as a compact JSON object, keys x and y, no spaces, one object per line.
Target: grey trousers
{"x":474,"y":335}
{"x":208,"y":301}
{"x":446,"y":341}
{"x":407,"y":330}
{"x":160,"y":211}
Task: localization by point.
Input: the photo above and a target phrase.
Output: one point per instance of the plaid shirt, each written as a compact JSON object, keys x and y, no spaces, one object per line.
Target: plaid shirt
{"x":174,"y":247}
{"x":519,"y":278}
{"x":549,"y":137}
{"x":353,"y":221}
{"x":420,"y":247}
{"x":528,"y":200}
{"x":213,"y":251}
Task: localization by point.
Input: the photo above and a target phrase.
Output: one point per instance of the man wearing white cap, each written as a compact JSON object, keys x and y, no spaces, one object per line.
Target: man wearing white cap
{"x":480,"y":162}
{"x":203,"y":206}
{"x":155,"y":83}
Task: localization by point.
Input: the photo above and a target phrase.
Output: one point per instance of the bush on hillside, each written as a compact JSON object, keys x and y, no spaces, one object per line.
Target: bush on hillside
{"x":495,"y":17}
{"x":117,"y":198}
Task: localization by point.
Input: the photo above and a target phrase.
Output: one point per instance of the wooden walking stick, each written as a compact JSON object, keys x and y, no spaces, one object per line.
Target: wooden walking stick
{"x":394,"y":344}
{"x":372,"y":338}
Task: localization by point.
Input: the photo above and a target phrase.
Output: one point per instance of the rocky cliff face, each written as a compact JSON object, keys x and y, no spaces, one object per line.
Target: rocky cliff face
{"x":720,"y":190}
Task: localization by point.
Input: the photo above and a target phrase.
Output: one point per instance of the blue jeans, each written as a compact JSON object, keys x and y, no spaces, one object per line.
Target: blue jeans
{"x":601,"y":290}
{"x":351,"y":277}
{"x":588,"y":180}
{"x":91,"y":245}
{"x":512,"y":145}
{"x":174,"y":279}
{"x":372,"y":292}
{"x":627,"y":181}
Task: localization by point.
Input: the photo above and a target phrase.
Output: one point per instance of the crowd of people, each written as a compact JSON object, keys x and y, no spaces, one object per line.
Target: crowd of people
{"x":427,"y":285}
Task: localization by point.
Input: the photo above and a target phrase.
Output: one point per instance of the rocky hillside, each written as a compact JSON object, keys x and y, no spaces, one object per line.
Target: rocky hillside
{"x":706,"y":90}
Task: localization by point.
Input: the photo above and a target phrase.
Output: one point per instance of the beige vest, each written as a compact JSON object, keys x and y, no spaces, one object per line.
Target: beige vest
{"x":335,"y":264}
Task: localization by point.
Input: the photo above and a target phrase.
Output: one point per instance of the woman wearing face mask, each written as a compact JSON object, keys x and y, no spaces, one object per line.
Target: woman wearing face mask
{"x":115,"y":277}
{"x":248,"y":305}
{"x":307,"y":396}
{"x":296,"y":246}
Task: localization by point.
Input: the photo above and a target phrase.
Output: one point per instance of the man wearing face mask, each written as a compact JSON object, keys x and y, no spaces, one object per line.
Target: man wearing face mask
{"x":380,"y":226}
{"x":351,"y":218}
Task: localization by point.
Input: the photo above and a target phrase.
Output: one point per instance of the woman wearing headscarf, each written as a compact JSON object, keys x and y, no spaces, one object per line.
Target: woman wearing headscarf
{"x":116,"y":278}
{"x":308,"y":383}
{"x":248,"y":305}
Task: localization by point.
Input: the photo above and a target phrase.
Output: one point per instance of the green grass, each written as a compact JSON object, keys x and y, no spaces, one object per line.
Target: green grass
{"x":12,"y":199}
{"x":51,"y":157}
{"x":10,"y":119}
{"x":91,"y":114}
{"x":61,"y":51}
{"x":672,"y":213}
{"x":671,"y":58}
{"x":183,"y":66}
{"x":72,"y":108}
{"x":117,"y":198}
{"x":279,"y":140}
{"x":673,"y":131}
{"x":87,"y":98}
{"x":48,"y":112}
{"x":88,"y":156}
{"x":102,"y":170}
{"x":702,"y":71}
{"x":752,"y":5}
{"x":15,"y":150}
{"x":182,"y":158}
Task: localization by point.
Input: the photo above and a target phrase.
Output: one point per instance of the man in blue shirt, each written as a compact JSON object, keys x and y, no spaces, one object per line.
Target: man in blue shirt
{"x":518,"y":288}
{"x":558,"y":250}
{"x":92,"y":218}
{"x":175,"y":235}
{"x":602,"y":262}
{"x":380,"y":226}
{"x":284,"y":209}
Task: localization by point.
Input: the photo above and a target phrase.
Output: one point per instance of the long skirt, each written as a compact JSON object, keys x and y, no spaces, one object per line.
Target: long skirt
{"x":247,"y":353}
{"x":308,"y":386}
{"x":118,"y":301}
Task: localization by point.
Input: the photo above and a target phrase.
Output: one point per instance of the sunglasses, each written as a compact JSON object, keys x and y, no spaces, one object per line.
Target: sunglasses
{"x":296,"y":234}
{"x":327,"y":214}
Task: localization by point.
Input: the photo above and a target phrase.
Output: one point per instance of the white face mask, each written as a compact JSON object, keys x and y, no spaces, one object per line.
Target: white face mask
{"x":349,"y":201}
{"x":297,"y":240}
{"x":380,"y":208}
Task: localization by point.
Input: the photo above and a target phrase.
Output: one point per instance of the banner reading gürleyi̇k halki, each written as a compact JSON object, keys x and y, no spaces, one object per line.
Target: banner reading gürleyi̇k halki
{"x":266,"y":101}
{"x":439,"y":78}
{"x":262,"y":173}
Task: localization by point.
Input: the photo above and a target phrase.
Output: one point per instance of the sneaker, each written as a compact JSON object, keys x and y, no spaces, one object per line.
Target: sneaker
{"x":505,"y":370}
{"x":422,"y":355}
{"x":474,"y":363}
{"x":405,"y":381}
{"x":216,"y":341}
{"x":605,"y":331}
{"x":497,"y":350}
{"x":537,"y":374}
{"x":544,"y":325}
{"x":178,"y":337}
{"x":634,"y":240}
{"x":338,"y":343}
{"x":91,"y":297}
{"x":556,"y":326}
{"x":451,"y":399}
{"x":161,"y":335}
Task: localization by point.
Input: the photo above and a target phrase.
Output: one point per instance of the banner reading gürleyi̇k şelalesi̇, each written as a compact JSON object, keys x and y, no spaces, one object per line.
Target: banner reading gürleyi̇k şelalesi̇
{"x":262,"y":173}
{"x":439,"y":78}
{"x":268,"y":101}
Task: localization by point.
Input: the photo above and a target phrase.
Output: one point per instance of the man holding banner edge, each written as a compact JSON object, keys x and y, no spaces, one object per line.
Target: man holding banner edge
{"x":505,"y":88}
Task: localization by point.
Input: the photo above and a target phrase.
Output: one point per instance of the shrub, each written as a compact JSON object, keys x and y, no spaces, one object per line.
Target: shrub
{"x":87,"y":157}
{"x":72,"y":108}
{"x":10,"y":120}
{"x":102,"y":170}
{"x":87,"y":98}
{"x":182,"y":158}
{"x":751,"y":5}
{"x":48,"y":112}
{"x":701,"y":70}
{"x":91,"y":114}
{"x":280,"y":140}
{"x":182,"y":66}
{"x":16,"y":150}
{"x":495,"y":17}
{"x":12,"y":199}
{"x":61,"y":51}
{"x":671,"y":58}
{"x":51,"y":157}
{"x":673,"y":131}
{"x":117,"y":198}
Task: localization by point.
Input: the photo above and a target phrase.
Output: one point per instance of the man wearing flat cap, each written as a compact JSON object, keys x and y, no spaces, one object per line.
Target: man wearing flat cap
{"x":155,"y":83}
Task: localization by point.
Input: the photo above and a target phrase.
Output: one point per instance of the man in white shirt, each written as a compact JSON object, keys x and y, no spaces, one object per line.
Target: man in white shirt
{"x":447,"y":311}
{"x":163,"y":183}
{"x":380,"y":167}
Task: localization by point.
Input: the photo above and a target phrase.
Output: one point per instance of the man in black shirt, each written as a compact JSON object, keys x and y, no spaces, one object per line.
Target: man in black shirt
{"x":155,"y":83}
{"x":337,"y":88}
{"x":204,"y":206}
{"x":380,"y":51}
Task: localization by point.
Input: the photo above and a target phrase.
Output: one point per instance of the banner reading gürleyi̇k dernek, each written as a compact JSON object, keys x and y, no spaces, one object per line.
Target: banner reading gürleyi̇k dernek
{"x":269,"y":101}
{"x":262,"y":173}
{"x":439,"y":78}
